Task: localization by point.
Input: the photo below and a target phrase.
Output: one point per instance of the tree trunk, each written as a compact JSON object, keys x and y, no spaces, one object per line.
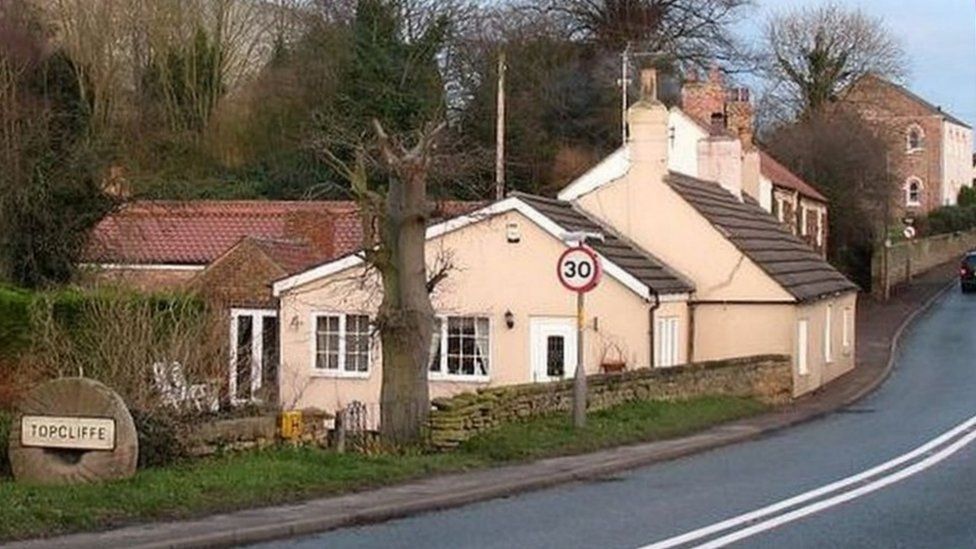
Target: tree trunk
{"x":406,"y":316}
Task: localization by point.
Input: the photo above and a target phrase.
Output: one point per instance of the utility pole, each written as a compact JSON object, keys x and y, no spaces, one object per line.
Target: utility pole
{"x":624,"y":82}
{"x":500,"y":131}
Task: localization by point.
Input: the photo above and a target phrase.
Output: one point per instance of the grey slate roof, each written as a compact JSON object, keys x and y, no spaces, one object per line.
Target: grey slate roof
{"x":761,"y":237}
{"x":649,"y":270}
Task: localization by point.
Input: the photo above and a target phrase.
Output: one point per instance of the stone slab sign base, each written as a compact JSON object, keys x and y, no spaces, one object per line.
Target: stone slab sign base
{"x":74,"y":398}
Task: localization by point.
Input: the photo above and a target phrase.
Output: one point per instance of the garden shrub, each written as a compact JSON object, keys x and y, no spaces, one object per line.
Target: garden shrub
{"x":967,"y":197}
{"x":162,"y":437}
{"x":950,"y":219}
{"x":5,"y":420}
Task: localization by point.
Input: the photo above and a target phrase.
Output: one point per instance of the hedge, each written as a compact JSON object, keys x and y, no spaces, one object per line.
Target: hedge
{"x":68,"y":309}
{"x":950,"y":219}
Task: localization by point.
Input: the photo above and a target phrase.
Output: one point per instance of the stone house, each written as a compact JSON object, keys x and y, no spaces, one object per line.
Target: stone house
{"x":930,"y":151}
{"x":695,"y":270}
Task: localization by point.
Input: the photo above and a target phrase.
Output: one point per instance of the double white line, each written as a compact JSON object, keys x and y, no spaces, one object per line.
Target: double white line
{"x":852,"y":487}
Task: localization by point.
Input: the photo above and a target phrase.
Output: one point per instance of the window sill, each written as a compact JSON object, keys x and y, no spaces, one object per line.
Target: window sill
{"x":339,"y":374}
{"x":458,"y":379}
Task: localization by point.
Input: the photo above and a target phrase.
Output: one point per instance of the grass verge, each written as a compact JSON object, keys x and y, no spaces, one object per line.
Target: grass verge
{"x":288,"y":474}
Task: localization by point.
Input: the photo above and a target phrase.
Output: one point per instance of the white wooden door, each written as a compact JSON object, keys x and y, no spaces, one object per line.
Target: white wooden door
{"x":552,"y":348}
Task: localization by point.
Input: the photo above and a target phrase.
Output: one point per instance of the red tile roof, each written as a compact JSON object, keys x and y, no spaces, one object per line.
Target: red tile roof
{"x":292,"y":255}
{"x":197,"y":232}
{"x":781,"y":176}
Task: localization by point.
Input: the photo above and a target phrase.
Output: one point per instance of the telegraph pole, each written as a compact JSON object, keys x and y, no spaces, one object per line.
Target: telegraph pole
{"x":623,"y":82}
{"x":500,"y":131}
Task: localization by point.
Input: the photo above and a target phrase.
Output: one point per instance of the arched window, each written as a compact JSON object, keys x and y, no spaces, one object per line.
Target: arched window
{"x":913,"y":192}
{"x":915,"y":138}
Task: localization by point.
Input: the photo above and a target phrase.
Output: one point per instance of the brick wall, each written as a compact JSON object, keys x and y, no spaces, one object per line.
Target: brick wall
{"x":892,"y":113}
{"x":145,"y":280}
{"x":454,"y":420}
{"x":241,"y":278}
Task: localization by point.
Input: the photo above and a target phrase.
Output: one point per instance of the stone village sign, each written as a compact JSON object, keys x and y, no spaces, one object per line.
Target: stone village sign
{"x":73,"y":430}
{"x":73,"y":433}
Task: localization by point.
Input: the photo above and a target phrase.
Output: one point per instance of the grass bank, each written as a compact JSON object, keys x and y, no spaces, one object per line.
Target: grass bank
{"x":281,"y":475}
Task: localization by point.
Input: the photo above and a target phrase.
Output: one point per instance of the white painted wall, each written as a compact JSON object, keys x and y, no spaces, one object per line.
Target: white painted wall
{"x":683,"y":143}
{"x":957,"y":160}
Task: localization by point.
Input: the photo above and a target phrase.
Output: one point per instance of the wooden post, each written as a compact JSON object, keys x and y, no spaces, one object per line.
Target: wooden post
{"x":340,"y":431}
{"x":500,"y":131}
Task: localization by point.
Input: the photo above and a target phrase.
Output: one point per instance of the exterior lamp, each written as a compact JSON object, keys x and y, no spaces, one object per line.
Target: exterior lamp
{"x":509,"y":319}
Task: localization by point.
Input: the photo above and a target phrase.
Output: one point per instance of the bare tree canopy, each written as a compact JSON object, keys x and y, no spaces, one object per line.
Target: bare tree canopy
{"x":684,"y":31}
{"x":812,"y":54}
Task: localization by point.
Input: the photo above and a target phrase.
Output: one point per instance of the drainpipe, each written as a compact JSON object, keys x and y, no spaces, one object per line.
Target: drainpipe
{"x":650,"y":323}
{"x":691,"y":332}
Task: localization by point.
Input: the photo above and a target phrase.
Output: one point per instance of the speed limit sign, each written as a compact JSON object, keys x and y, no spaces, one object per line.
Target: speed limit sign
{"x":579,"y":269}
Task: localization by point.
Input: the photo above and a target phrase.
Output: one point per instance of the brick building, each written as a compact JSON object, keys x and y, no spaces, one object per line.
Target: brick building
{"x":930,"y":151}
{"x":795,"y":202}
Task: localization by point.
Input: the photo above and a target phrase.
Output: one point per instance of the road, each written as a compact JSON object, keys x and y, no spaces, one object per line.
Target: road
{"x":925,"y":498}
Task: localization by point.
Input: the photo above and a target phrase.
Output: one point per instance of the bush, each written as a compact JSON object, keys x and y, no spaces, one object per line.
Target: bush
{"x":967,"y":197}
{"x":14,"y":320}
{"x":950,"y":219}
{"x":5,"y":420}
{"x":161,"y":437}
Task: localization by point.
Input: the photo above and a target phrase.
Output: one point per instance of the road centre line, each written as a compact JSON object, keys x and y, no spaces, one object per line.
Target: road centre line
{"x":805,"y":497}
{"x":842,"y":497}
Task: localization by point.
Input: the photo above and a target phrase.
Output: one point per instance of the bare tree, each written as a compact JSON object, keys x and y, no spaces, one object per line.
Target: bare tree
{"x":694,"y":32}
{"x":394,"y":244}
{"x":810,"y":55}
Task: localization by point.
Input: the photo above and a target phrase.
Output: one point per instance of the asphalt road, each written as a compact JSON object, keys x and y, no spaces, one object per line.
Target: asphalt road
{"x":922,"y":499}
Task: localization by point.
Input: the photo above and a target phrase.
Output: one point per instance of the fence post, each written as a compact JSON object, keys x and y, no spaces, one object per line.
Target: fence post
{"x":340,"y":431}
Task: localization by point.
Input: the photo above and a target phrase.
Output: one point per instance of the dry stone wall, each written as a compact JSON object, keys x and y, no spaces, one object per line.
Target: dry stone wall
{"x":456,"y":419}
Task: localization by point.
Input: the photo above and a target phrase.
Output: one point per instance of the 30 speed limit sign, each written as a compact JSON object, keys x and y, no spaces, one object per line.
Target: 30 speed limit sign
{"x":579,"y":269}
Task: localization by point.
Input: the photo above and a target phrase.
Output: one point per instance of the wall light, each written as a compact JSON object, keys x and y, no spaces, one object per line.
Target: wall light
{"x":509,"y":319}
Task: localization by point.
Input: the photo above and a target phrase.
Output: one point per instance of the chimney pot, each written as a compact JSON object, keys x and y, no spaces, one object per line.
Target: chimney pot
{"x":649,"y":84}
{"x":718,"y":124}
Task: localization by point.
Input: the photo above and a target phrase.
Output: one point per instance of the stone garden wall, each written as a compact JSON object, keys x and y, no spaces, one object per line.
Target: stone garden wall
{"x":248,"y":433}
{"x":909,"y":258}
{"x":454,"y":420}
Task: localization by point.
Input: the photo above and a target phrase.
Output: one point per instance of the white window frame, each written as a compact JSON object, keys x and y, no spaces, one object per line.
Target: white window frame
{"x":820,"y":226}
{"x":917,"y":201}
{"x":828,"y":342}
{"x":443,"y":374}
{"x":803,"y":346}
{"x":340,"y":371}
{"x":847,"y":328}
{"x":804,"y":212}
{"x":257,"y":351}
{"x":666,"y":341}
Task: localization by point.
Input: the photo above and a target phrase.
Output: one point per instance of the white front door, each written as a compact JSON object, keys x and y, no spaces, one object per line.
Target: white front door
{"x":553,"y":348}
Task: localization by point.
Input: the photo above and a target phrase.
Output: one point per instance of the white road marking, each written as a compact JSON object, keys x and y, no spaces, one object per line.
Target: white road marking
{"x":825,"y":490}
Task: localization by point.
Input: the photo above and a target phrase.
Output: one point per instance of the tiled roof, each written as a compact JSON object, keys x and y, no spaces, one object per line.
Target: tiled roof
{"x":197,"y":232}
{"x":783,"y":256}
{"x":646,"y":268}
{"x":781,"y":176}
{"x":292,"y":255}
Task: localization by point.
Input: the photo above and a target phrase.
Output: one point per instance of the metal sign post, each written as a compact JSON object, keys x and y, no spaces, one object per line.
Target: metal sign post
{"x":579,"y":271}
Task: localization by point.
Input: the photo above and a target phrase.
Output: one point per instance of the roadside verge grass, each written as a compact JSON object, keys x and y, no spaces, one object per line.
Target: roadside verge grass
{"x":285,"y":474}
